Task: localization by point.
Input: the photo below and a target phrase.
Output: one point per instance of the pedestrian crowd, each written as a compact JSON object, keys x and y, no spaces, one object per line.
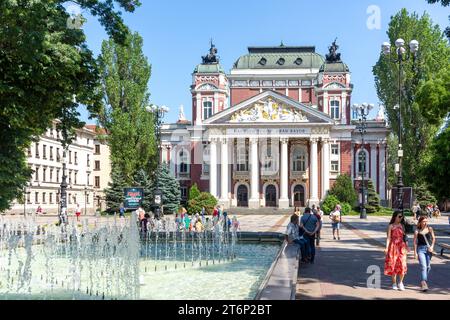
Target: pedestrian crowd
{"x":430,"y":210}
{"x":305,"y":231}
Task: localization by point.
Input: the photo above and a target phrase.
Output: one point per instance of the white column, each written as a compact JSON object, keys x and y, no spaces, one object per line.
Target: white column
{"x":344,"y":108}
{"x":325,"y":167}
{"x":213,"y":167}
{"x":325,"y":103}
{"x":224,"y":174}
{"x":314,"y":199}
{"x":352,"y":151}
{"x":373,"y":164}
{"x":199,"y":108}
{"x":283,"y":202}
{"x":254,"y":174}
{"x":383,"y":171}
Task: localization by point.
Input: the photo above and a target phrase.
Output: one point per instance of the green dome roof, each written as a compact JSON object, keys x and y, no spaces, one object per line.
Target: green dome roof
{"x":209,"y":68}
{"x":334,"y":67}
{"x":281,"y":57}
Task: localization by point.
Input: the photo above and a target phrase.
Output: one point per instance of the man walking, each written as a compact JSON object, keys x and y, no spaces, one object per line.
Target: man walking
{"x":309,"y":224}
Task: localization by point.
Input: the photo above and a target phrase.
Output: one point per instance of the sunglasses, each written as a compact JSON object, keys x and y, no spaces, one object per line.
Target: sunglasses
{"x":400,"y":216}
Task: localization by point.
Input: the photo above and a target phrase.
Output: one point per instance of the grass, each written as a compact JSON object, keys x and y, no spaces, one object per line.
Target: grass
{"x":382,"y":212}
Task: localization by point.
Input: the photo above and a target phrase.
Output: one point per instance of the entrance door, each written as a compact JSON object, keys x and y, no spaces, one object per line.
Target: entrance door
{"x":242,"y":196}
{"x":299,"y":196}
{"x":271,"y":196}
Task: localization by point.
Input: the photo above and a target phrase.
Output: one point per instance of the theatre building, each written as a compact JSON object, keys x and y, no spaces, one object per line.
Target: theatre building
{"x":274,"y":132}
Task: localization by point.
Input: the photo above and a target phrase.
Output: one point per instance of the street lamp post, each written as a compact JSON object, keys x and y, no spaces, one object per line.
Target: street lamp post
{"x":362,"y":110}
{"x":159,"y":112}
{"x":400,"y":56}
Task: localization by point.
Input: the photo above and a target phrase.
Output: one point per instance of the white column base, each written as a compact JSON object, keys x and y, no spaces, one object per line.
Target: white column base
{"x":283,"y":203}
{"x":225,"y":203}
{"x":234,"y":202}
{"x":253,"y":203}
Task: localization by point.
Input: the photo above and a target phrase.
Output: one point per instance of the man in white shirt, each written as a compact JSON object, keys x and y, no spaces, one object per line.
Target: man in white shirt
{"x":335,"y":217}
{"x":292,"y":235}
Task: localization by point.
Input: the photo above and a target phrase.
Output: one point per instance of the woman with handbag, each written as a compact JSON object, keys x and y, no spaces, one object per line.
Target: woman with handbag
{"x":424,"y":240}
{"x":396,"y":250}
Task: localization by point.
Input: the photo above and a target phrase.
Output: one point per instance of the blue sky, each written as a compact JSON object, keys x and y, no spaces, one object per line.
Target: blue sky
{"x":176,"y":34}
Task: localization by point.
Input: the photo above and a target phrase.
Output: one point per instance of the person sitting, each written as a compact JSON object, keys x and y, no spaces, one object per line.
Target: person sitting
{"x":292,"y":236}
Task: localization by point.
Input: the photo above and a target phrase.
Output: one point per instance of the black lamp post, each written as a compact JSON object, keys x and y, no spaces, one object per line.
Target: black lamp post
{"x":158,"y":111}
{"x":362,"y":110}
{"x":401,"y":55}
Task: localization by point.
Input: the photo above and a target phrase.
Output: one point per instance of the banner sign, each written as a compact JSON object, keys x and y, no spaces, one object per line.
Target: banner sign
{"x":133,"y":197}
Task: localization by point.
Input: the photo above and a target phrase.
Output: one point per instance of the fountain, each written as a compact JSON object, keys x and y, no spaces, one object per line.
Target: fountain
{"x":114,"y":260}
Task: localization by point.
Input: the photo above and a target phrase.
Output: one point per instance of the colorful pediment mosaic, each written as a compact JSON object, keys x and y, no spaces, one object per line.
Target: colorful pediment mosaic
{"x":269,"y":110}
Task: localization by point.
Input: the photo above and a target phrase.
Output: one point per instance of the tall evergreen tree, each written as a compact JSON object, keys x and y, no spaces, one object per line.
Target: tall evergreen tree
{"x":114,"y":193}
{"x":343,"y":189}
{"x":125,"y":72}
{"x":170,"y":188}
{"x":44,"y":62}
{"x":142,"y":179}
{"x":373,"y":199}
{"x":434,"y":55}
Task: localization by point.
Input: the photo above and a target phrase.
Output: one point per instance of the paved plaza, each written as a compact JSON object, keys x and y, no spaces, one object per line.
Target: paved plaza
{"x":341,"y":267}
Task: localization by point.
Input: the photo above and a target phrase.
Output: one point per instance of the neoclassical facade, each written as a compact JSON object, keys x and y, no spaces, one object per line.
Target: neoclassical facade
{"x":275,"y":132}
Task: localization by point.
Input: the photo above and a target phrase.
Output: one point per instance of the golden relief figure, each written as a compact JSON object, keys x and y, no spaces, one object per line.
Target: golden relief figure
{"x":268,"y":110}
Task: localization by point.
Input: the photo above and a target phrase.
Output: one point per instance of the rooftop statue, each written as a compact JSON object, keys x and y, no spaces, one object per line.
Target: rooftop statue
{"x":333,"y":56}
{"x":211,"y":57}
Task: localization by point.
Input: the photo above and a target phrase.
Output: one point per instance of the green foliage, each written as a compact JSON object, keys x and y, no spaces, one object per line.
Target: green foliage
{"x":434,"y":56}
{"x":204,"y":199}
{"x":194,"y":192}
{"x":423,"y":195}
{"x":114,"y":193}
{"x":436,"y":171}
{"x":346,"y":208}
{"x":44,"y":64}
{"x":343,"y":189}
{"x":124,"y":75}
{"x":373,"y":199}
{"x":170,"y":188}
{"x":329,"y":203}
{"x":142,"y":179}
{"x":444,"y":3}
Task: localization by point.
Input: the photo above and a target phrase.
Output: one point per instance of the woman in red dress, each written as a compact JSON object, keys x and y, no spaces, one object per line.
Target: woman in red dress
{"x":396,"y":251}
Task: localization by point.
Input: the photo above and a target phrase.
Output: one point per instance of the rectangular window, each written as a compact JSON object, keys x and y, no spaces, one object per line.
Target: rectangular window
{"x":70,"y":198}
{"x":97,"y":149}
{"x":36,"y":197}
{"x":335,"y":166}
{"x":50,"y":197}
{"x":88,"y":179}
{"x":75,"y":174}
{"x":51,"y":152}
{"x":70,"y":156}
{"x":29,"y":152}
{"x":334,"y":109}
{"x":43,"y":197}
{"x":58,"y":157}
{"x":44,"y":174}
{"x":70,"y":176}
{"x":335,"y":149}
{"x":88,"y":162}
{"x":36,"y":150}
{"x":57,"y":197}
{"x":88,"y":141}
{"x":57,"y":175}
{"x":207,"y":109}
{"x":36,"y":174}
{"x":51,"y":175}
{"x":97,"y":165}
{"x":28,"y":197}
{"x":44,"y":151}
{"x":183,"y":191}
{"x":97,"y":181}
{"x":76,"y":158}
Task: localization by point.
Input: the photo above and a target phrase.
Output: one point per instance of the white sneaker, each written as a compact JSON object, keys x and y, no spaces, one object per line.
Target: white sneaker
{"x":401,"y":287}
{"x":394,"y":286}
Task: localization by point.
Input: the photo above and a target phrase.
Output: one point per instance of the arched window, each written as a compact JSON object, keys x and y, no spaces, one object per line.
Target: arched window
{"x":183,"y":161}
{"x":334,"y":109}
{"x":299,"y":159}
{"x":207,"y":109}
{"x":242,"y":158}
{"x":269,"y":156}
{"x":363,"y":157}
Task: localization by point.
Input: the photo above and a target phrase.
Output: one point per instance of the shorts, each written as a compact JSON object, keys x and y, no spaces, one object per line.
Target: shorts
{"x":336,"y":225}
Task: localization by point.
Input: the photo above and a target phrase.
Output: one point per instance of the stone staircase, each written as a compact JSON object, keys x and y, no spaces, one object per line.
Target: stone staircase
{"x":263,"y":211}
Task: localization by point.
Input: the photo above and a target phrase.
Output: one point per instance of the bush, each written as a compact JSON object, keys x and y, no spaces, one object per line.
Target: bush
{"x":194,"y":192}
{"x":204,"y":199}
{"x":329,"y":203}
{"x":346,"y":208}
{"x":344,"y":190}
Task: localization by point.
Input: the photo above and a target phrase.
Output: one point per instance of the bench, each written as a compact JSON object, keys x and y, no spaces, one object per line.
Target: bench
{"x":443,"y":246}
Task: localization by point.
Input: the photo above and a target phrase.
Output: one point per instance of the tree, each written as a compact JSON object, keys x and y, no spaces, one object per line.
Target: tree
{"x":114,"y":193}
{"x":423,"y":195}
{"x":44,"y":64}
{"x":329,"y":203}
{"x":202,"y":200}
{"x":343,"y":189}
{"x":142,"y":179}
{"x":373,"y":199}
{"x":125,"y":72}
{"x":434,"y":55}
{"x":170,"y":189}
{"x":437,"y":169}
{"x":194,"y":192}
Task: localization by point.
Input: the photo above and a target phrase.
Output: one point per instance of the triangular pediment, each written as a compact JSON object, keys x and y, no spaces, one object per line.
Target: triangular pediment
{"x":269,"y":107}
